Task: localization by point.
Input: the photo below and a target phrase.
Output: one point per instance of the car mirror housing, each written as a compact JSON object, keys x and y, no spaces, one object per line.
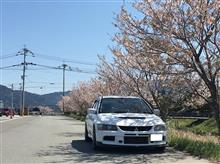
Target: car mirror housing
{"x":157,"y":112}
{"x":91,"y":111}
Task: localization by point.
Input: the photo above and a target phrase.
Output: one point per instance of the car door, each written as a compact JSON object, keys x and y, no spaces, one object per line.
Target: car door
{"x":91,"y":117}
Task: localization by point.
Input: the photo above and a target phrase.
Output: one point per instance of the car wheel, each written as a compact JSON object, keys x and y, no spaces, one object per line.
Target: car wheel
{"x":94,"y":142}
{"x":87,"y":139}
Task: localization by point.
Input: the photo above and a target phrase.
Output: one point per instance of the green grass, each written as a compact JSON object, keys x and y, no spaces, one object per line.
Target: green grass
{"x":202,"y":127}
{"x":197,"y":137}
{"x":202,"y":148}
{"x":207,"y":127}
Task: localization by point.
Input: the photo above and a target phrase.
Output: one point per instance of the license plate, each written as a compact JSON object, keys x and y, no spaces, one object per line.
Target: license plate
{"x":156,"y":137}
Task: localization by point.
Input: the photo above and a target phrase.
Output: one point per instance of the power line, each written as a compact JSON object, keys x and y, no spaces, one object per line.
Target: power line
{"x":81,"y":71}
{"x":38,"y":82}
{"x":46,"y":67}
{"x":37,"y":69}
{"x":73,"y":69}
{"x":45,"y":82}
{"x":8,"y":56}
{"x":64,"y":60}
{"x":15,"y":65}
{"x":30,"y":69}
{"x":78,"y":62}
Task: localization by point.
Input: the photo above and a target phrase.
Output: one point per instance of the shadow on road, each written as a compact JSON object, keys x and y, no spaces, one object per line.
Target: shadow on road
{"x":65,"y":118}
{"x":123,"y":155}
{"x":71,"y":120}
{"x":86,"y":147}
{"x":80,"y":151}
{"x":71,"y":134}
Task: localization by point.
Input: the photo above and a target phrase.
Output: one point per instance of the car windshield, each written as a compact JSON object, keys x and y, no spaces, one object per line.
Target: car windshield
{"x":124,"y":105}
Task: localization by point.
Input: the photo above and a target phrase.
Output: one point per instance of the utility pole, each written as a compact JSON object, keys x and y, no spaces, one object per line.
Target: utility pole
{"x":12,"y":96}
{"x":23,"y":52}
{"x":20,"y":87}
{"x":64,"y":66}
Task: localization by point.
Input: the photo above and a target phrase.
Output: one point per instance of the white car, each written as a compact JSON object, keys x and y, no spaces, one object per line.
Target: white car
{"x":124,"y":121}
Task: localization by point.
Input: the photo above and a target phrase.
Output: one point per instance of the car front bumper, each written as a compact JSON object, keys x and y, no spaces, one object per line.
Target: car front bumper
{"x":136,"y":139}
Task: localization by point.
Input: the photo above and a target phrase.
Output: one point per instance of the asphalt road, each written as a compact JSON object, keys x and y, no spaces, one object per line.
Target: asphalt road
{"x":58,"y":139}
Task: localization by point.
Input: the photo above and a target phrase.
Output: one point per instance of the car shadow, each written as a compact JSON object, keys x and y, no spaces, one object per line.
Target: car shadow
{"x":123,"y":155}
{"x":82,"y":146}
{"x":79,"y":151}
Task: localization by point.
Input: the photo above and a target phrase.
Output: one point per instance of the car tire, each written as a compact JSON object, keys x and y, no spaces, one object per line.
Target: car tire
{"x":87,"y":139}
{"x":94,"y":142}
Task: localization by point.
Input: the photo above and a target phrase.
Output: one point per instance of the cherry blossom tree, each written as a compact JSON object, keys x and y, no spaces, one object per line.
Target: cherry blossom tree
{"x":175,"y":37}
{"x":132,"y":78}
{"x":82,"y":96}
{"x":166,"y":52}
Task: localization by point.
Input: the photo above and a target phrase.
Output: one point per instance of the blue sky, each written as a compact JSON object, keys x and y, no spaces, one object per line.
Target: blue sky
{"x":76,"y":30}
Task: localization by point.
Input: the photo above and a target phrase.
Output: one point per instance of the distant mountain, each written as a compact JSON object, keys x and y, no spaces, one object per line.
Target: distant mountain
{"x":31,"y":99}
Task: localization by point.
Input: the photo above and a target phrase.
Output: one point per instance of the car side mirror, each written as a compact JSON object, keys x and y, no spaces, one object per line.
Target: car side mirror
{"x":157,"y":112}
{"x":91,"y":111}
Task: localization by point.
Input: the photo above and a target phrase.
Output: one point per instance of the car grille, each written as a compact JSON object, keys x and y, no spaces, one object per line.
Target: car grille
{"x":135,"y":128}
{"x":136,"y":140}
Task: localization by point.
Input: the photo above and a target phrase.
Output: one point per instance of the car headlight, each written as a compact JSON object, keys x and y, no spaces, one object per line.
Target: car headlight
{"x":106,"y":127}
{"x":159,"y":128}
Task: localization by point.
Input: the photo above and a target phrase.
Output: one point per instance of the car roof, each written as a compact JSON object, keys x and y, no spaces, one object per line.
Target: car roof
{"x":133,"y":97}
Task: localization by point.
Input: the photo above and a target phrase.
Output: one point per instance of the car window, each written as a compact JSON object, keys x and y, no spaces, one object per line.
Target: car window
{"x":124,"y":105}
{"x":95,"y":105}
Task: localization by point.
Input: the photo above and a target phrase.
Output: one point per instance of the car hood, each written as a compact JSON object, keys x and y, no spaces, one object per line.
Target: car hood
{"x":130,"y":119}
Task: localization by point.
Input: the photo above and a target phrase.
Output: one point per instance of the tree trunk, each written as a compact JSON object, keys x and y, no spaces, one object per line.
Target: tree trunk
{"x":216,"y":108}
{"x":217,"y":112}
{"x":217,"y":115}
